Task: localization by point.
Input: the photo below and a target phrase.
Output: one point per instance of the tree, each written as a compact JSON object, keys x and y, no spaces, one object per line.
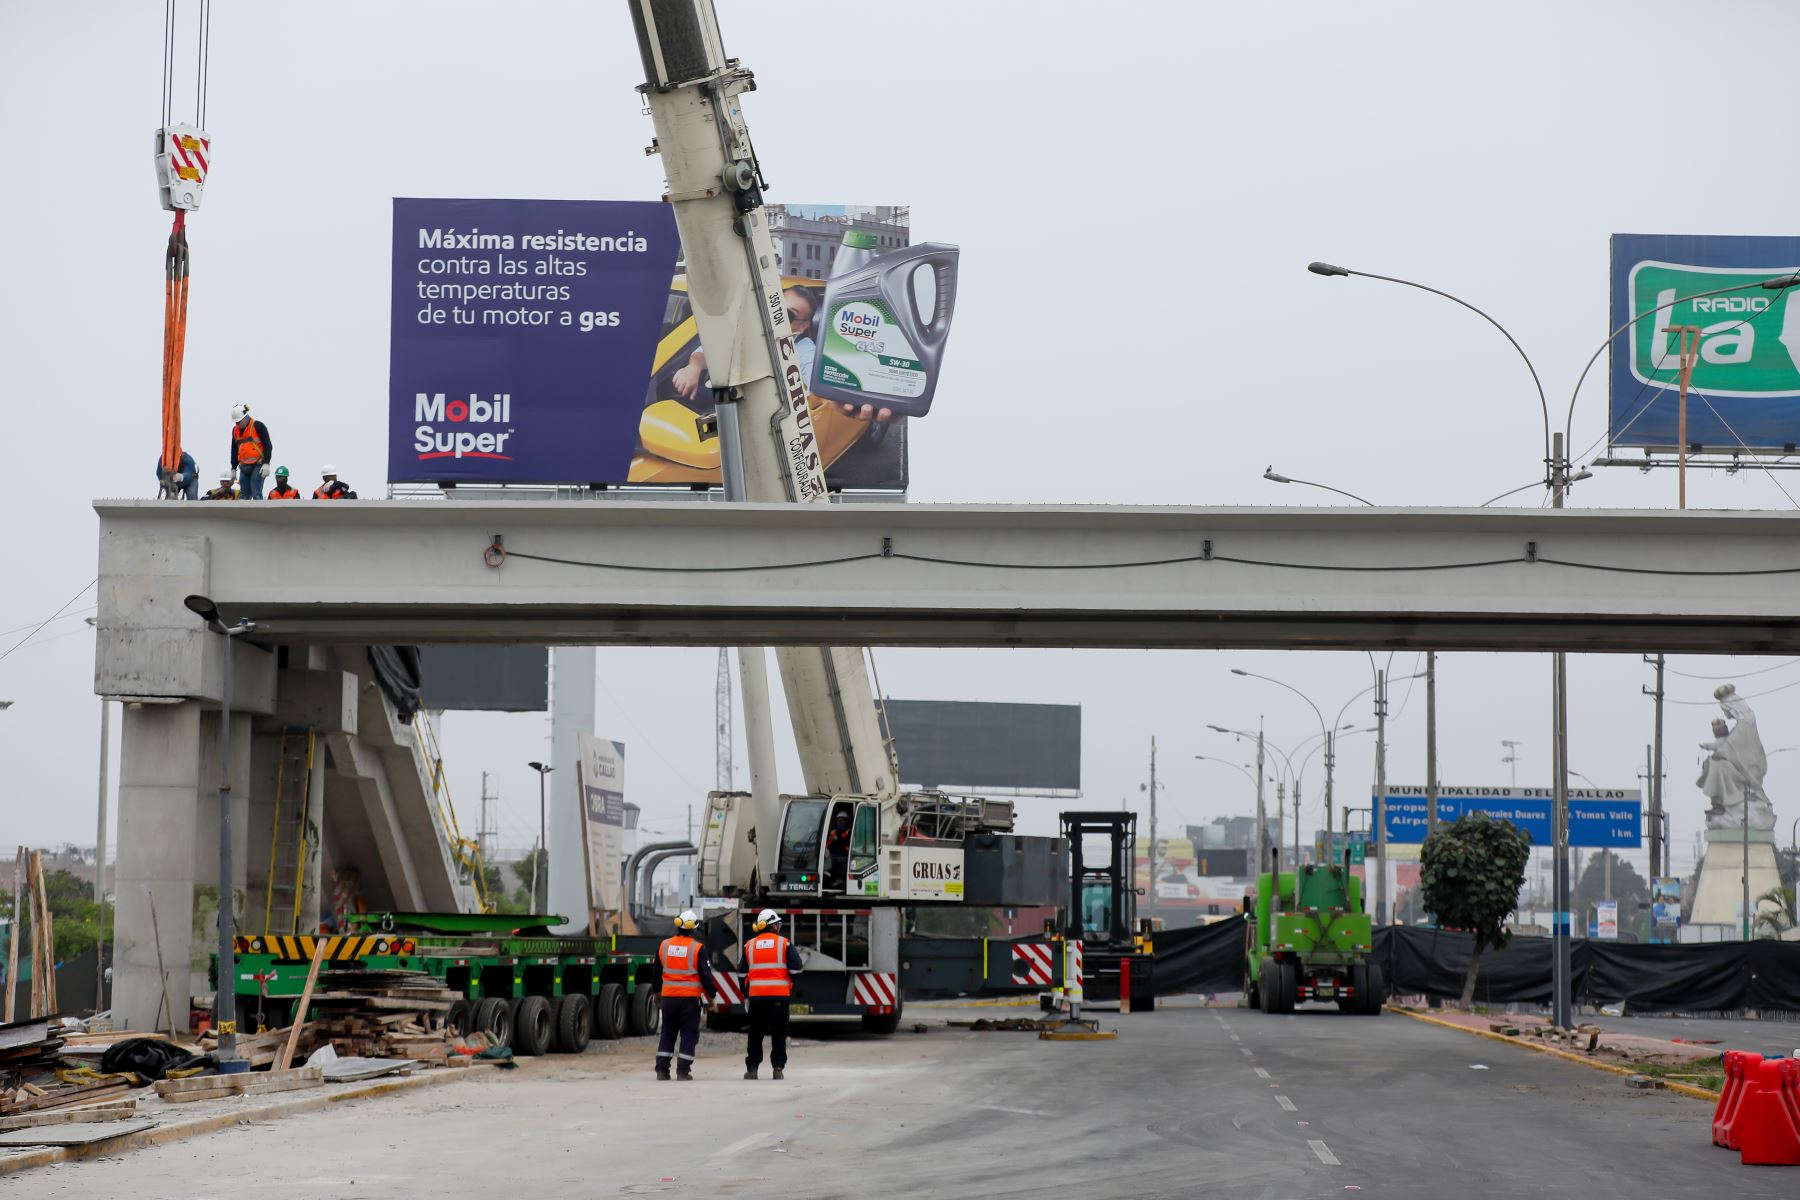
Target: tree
{"x":1774,"y":912}
{"x":1628,"y":888}
{"x":74,"y":917}
{"x":1470,"y":875}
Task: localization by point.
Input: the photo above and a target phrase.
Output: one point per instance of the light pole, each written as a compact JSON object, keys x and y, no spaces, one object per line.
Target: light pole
{"x":1323,"y":732}
{"x":1262,"y":820}
{"x":543,"y":850}
{"x":1273,"y":476}
{"x":225,"y":998}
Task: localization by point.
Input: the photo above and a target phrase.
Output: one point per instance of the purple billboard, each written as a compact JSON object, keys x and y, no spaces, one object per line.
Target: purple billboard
{"x":521,"y":334}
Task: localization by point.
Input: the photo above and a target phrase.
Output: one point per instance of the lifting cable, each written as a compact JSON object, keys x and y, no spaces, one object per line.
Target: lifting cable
{"x":182,"y":152}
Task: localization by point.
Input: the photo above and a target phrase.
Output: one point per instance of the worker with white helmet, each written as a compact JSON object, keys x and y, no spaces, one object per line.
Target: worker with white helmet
{"x":225,"y":490}
{"x":686,"y":978}
{"x":251,"y":448}
{"x":332,"y":488}
{"x":771,"y":962}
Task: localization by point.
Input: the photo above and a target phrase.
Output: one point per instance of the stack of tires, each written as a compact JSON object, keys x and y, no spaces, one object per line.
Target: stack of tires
{"x":559,"y":1024}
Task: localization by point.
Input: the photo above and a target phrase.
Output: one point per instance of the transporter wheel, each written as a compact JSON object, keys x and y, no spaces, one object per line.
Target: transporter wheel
{"x":1286,"y":984}
{"x":609,"y":1011}
{"x":884,"y":1024}
{"x":531,"y":1025}
{"x":1268,"y":992}
{"x":645,"y":1011}
{"x":574,"y":1023}
{"x":1358,"y":1001}
{"x":459,"y":1018}
{"x":1376,"y":996}
{"x":494,"y":1016}
{"x":1252,"y":993}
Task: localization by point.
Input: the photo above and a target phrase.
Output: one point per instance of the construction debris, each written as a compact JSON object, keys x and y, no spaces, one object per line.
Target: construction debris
{"x":244,"y":1083}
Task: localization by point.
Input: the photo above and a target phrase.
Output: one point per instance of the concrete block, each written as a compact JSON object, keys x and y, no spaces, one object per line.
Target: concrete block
{"x":149,"y":644}
{"x":324,"y":701}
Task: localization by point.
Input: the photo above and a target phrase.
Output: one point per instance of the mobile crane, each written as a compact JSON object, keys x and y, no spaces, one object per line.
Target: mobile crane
{"x":841,"y":902}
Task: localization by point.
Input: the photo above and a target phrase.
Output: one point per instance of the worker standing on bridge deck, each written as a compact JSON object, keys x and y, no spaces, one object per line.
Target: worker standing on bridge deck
{"x":251,"y":447}
{"x":686,"y":978}
{"x":772,"y":963}
{"x":281,"y":490}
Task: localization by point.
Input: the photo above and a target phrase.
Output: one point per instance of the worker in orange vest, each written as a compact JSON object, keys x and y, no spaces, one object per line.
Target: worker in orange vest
{"x":686,"y":978}
{"x":771,"y":962}
{"x":333,"y":488}
{"x":281,"y":490}
{"x":251,"y":447}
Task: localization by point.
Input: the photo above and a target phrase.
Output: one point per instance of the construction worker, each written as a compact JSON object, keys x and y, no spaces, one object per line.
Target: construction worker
{"x":185,"y":480}
{"x":225,"y":490}
{"x":251,"y":447}
{"x":837,"y":850}
{"x":771,"y":962}
{"x":281,"y":490}
{"x":686,"y":978}
{"x":333,"y":488}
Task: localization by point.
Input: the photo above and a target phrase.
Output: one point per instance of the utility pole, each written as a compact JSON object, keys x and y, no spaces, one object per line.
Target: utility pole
{"x":1280,"y":821}
{"x":1653,"y":777}
{"x":1561,"y":1014}
{"x":1262,"y":821}
{"x":1330,"y":762}
{"x":1380,"y":813}
{"x":481,"y":835}
{"x":1153,"y":814}
{"x":1511,"y":758}
{"x":1431,"y":777}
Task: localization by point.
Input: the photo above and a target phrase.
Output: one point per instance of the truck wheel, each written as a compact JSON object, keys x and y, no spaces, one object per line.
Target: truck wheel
{"x":574,"y":1023}
{"x":1268,"y":986}
{"x":1252,"y":994}
{"x":1357,"y":1002}
{"x":609,"y":1011}
{"x":1286,"y":984}
{"x":1376,"y":996}
{"x":459,"y":1017}
{"x":494,"y":1016}
{"x":645,"y":1015}
{"x":883,"y":1024}
{"x":531,"y":1025}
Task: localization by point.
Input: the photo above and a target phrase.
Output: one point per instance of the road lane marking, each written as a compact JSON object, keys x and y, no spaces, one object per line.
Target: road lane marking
{"x":1245,"y":1051}
{"x":1263,"y":1073}
{"x":1023,"y":1112}
{"x":746,"y":1143}
{"x":1325,"y":1154}
{"x":1286,"y":1104}
{"x":1236,"y":1038}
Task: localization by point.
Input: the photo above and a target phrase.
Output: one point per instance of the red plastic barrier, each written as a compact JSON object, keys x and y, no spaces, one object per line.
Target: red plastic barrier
{"x":1767,"y":1126}
{"x":1740,"y":1070}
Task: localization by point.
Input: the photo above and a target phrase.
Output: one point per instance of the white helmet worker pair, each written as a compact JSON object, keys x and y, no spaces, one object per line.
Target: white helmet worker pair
{"x":767,"y":918}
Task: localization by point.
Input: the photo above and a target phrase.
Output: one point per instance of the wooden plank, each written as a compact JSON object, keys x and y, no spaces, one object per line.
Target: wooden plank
{"x":65,"y":1099}
{"x":37,"y":930}
{"x":261,"y":1084}
{"x":12,"y":935}
{"x":73,"y":1116}
{"x":350,"y":999}
{"x":81,"y":1134}
{"x":49,"y":940}
{"x":286,"y":1058}
{"x":201,"y":1083}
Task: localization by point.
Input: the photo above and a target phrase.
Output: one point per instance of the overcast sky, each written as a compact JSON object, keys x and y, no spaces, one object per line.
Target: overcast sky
{"x":1137,"y":190}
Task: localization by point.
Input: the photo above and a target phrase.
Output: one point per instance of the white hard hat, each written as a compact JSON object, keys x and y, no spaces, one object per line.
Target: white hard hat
{"x":767,"y":917}
{"x":226,"y":477}
{"x":328,"y":469}
{"x":239,"y":411}
{"x":687,"y":920}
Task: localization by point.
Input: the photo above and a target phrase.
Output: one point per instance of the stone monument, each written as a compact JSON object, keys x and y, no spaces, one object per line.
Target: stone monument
{"x":1740,"y":820}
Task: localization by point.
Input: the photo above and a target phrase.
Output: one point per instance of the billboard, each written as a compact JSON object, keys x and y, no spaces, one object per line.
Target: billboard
{"x":1204,"y":878}
{"x":1611,"y":818}
{"x":552,"y":341}
{"x":1745,"y":389}
{"x":469,"y":678}
{"x":602,"y":785}
{"x":976,"y":744}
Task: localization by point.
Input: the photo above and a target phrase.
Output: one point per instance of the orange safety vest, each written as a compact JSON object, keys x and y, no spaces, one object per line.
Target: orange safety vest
{"x":281,"y":493}
{"x":249,"y":446}
{"x":342,"y":493}
{"x":680,"y":959}
{"x":767,"y":956}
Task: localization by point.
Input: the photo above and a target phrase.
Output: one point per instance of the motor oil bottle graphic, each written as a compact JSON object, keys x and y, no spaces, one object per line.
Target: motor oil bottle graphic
{"x":883,"y":337}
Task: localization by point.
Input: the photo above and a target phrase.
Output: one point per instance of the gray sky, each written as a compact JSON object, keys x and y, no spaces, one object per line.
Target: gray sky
{"x":1137,"y":190}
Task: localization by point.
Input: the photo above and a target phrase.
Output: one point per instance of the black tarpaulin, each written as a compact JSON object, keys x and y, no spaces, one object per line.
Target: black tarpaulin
{"x":398,"y":672}
{"x":1706,"y":978}
{"x":1206,"y":958}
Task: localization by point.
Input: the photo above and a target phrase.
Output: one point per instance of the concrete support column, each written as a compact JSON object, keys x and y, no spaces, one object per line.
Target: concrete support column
{"x":206,"y":840}
{"x":571,"y":715}
{"x":159,"y":776}
{"x":260,"y":803}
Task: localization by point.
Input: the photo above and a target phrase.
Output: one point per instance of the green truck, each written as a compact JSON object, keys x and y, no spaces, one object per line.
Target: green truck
{"x":533,"y":990}
{"x":1308,"y":938}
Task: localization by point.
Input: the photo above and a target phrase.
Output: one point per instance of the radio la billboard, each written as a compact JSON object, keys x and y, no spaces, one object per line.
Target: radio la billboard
{"x":1744,"y":392}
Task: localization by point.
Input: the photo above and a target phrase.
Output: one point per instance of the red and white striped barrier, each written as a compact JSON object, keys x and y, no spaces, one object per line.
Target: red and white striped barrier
{"x":731,"y":989}
{"x":876,"y":992}
{"x":1031,"y":964}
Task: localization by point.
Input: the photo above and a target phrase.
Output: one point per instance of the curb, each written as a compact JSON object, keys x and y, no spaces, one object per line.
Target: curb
{"x":1009,"y":1002}
{"x":1684,"y":1088}
{"x":177,"y":1131}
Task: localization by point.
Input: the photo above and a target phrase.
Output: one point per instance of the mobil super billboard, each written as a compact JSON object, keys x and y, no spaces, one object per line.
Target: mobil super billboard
{"x":552,"y":341}
{"x":1744,"y":390}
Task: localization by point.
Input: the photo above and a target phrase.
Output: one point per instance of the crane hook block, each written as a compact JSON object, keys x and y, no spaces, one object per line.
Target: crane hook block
{"x":182,"y":155}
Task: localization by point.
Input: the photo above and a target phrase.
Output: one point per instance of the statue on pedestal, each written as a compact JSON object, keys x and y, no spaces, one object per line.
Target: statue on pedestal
{"x":1732,"y":774}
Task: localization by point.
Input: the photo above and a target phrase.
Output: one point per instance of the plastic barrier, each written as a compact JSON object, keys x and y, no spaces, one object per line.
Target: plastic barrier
{"x":1767,"y":1126}
{"x":1740,"y":1069}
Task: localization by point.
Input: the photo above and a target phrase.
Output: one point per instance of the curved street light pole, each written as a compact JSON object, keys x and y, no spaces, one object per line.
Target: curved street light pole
{"x":1274,"y":476}
{"x":1323,"y":733}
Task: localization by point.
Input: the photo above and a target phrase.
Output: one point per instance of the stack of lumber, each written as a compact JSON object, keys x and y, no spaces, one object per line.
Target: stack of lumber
{"x":28,"y":1048}
{"x":383,"y":1014}
{"x":244,"y":1083}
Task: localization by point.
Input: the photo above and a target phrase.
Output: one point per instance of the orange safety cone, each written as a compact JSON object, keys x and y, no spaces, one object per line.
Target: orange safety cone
{"x":1740,"y":1068}
{"x":1766,"y":1131}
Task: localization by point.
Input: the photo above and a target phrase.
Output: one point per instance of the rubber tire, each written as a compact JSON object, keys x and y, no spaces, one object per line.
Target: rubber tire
{"x":610,"y":1015}
{"x":885,"y":1024}
{"x":645,"y":1016}
{"x":1252,"y":993}
{"x":494,"y":1016}
{"x":574,"y":1023}
{"x":531,"y":1025}
{"x":1286,"y":982}
{"x":459,"y":1018}
{"x":1377,"y":993}
{"x":1359,"y":983}
{"x":1269,"y":986}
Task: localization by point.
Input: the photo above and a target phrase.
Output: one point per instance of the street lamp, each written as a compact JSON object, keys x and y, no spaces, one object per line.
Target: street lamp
{"x":543,"y":903}
{"x":1323,"y":732}
{"x":1274,"y":476}
{"x":225,"y":998}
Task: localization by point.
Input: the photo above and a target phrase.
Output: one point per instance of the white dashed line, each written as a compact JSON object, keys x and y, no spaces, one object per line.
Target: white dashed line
{"x":1263,"y":1073}
{"x":1325,"y":1154}
{"x":1286,"y":1104}
{"x":1245,"y":1051}
{"x":1236,"y":1038}
{"x":745,"y":1143}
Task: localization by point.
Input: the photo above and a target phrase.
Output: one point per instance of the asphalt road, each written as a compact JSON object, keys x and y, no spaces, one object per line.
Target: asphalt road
{"x":1764,"y":1037}
{"x":1220,"y":1103}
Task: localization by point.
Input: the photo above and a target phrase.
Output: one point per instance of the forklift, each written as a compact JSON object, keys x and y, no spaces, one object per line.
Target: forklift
{"x":1117,"y":951}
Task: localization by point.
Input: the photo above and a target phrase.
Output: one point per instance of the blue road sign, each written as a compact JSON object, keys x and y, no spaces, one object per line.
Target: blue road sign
{"x":1612,"y":819}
